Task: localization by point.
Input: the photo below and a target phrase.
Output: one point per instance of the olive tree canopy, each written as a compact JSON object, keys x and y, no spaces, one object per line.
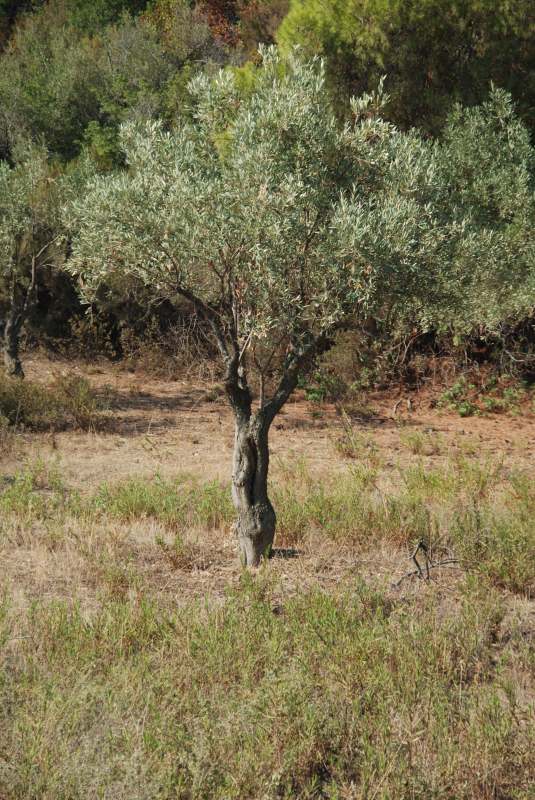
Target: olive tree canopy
{"x":279,"y":227}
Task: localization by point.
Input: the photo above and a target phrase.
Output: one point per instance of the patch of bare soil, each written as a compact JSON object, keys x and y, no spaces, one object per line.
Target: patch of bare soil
{"x":170,"y":425}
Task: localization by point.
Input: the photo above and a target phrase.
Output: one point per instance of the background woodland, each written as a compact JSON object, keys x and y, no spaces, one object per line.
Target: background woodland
{"x":72,"y":73}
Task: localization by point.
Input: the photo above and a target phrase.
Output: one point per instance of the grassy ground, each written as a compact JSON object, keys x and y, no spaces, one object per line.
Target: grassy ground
{"x":138,"y":660}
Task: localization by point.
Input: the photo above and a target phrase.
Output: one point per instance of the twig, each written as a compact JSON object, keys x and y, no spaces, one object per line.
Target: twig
{"x":143,"y":436}
{"x":449,"y":562}
{"x":396,"y":406}
{"x":421,"y":546}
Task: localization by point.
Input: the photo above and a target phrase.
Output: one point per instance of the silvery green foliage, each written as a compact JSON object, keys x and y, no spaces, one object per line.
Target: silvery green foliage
{"x":282,"y":225}
{"x":487,"y":161}
{"x":448,"y":232}
{"x":19,"y":190}
{"x":235,"y":208}
{"x":36,"y":210}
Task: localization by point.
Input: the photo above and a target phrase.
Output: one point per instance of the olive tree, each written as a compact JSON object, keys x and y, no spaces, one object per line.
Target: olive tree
{"x":33,"y":236}
{"x":488,"y":164}
{"x":280,"y":227}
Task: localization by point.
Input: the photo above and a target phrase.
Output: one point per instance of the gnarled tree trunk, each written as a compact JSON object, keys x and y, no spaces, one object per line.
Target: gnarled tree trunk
{"x":255,"y":526}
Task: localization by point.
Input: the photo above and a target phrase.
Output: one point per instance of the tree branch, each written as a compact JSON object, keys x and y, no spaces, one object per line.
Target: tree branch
{"x":210,"y":317}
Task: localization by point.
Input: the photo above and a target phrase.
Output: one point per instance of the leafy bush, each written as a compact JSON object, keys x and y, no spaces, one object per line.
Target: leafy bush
{"x":466,"y":409}
{"x":28,"y":404}
{"x":451,"y":398}
{"x":463,"y":399}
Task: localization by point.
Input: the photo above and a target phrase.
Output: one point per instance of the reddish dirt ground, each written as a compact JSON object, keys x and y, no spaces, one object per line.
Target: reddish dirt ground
{"x":170,"y":424}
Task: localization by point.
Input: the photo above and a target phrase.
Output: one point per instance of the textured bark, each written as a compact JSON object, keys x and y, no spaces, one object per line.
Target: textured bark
{"x":11,"y":329}
{"x":256,"y":518}
{"x":11,"y":351}
{"x":255,"y":526}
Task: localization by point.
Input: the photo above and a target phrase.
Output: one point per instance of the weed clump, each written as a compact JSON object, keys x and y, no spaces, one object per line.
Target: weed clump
{"x":180,"y":555}
{"x":498,"y":543}
{"x":37,"y":491}
{"x":181,"y":503}
{"x":67,"y":401}
{"x":419,"y":442}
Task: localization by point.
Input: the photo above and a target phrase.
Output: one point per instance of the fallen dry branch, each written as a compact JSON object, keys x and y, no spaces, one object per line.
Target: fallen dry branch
{"x":448,"y":562}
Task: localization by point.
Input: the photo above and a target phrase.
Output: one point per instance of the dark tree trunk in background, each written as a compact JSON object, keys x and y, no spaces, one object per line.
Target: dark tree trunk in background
{"x":11,"y":329}
{"x":255,"y":526}
{"x":11,"y":348}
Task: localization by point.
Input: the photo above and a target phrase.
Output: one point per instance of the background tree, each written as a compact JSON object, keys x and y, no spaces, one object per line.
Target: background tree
{"x":88,"y":16}
{"x":67,"y":90}
{"x":280,"y":228}
{"x":49,"y":84}
{"x":32,"y":237}
{"x":487,"y":160}
{"x":435,"y":52}
{"x":259,"y":22}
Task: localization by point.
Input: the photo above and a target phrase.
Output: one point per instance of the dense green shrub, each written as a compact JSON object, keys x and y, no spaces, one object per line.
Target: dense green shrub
{"x":434,"y":53}
{"x":91,"y":84}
